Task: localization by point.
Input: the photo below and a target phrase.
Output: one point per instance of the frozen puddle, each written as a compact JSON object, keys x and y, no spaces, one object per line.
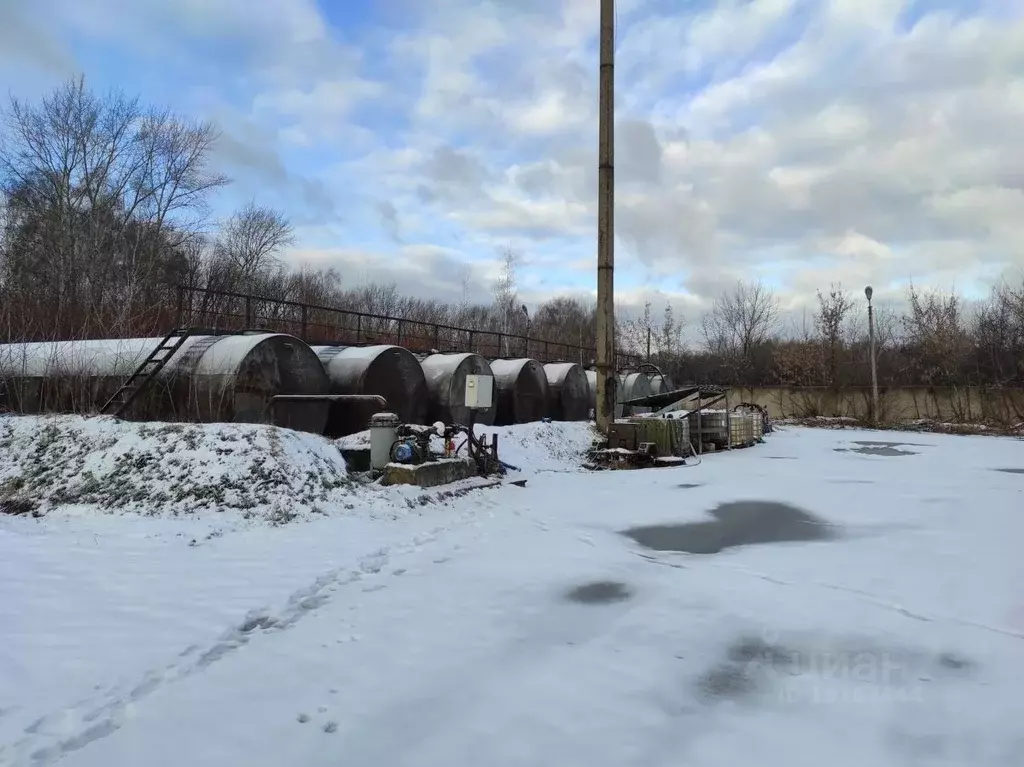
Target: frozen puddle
{"x":883,"y":449}
{"x":739,"y":523}
{"x":600,"y":592}
{"x":820,"y":667}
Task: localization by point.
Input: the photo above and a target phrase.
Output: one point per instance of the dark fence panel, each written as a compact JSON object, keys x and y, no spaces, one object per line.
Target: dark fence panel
{"x":227,"y":311}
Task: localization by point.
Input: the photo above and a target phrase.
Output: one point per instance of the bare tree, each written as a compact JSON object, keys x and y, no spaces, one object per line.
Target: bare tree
{"x":102,"y":195}
{"x":465,"y":281}
{"x":506,"y":297}
{"x":936,"y":335}
{"x":741,"y":320}
{"x":250,"y":242}
{"x":570,"y":324}
{"x":670,"y":334}
{"x":635,"y":332}
{"x":998,"y":331}
{"x":831,"y":321}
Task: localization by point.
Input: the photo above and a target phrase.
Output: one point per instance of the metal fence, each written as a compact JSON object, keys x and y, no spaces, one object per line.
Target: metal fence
{"x":227,"y":311}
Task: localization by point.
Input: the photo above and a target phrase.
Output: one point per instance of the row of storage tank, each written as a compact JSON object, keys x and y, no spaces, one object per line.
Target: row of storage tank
{"x":234,"y":378}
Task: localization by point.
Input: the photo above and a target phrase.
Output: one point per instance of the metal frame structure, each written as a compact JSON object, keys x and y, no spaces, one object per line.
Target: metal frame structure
{"x":328,"y":325}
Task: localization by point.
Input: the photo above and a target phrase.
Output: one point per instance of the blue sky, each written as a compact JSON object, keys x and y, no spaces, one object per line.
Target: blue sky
{"x":798,"y":142}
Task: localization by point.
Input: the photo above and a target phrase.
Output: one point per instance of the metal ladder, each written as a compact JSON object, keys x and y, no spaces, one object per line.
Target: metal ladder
{"x":145,"y":374}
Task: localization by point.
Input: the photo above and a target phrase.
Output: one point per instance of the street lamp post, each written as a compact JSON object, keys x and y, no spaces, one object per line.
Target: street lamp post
{"x":871,"y":343}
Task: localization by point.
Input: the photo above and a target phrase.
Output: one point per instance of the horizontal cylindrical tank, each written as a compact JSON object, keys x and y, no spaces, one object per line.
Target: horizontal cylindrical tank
{"x":446,"y":387}
{"x":660,"y":383}
{"x":390,"y":371}
{"x":522,"y":391}
{"x":209,"y":378}
{"x":632,"y":386}
{"x":568,"y":391}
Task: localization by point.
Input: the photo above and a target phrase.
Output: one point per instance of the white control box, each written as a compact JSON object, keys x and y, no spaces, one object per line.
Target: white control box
{"x":479,"y":392}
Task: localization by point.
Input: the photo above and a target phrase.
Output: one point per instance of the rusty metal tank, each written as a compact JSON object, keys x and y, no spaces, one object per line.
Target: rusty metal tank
{"x":522,"y":391}
{"x":210,"y":378}
{"x":446,"y":386}
{"x":390,"y":371}
{"x":569,"y":396}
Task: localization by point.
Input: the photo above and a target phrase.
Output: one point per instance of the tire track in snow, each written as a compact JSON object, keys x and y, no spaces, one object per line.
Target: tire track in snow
{"x":52,"y":736}
{"x":451,"y":699}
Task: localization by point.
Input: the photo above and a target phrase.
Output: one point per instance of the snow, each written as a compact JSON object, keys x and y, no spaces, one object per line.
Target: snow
{"x":446,"y":635}
{"x":437,"y":366}
{"x":102,"y":357}
{"x":120,"y":356}
{"x":241,"y":470}
{"x":227,"y":353}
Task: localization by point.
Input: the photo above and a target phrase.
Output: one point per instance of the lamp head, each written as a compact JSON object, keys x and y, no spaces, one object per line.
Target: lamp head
{"x":868,"y":292}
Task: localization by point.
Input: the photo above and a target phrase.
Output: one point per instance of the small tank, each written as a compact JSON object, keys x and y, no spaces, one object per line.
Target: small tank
{"x":632,"y":386}
{"x":209,"y":378}
{"x":713,"y":427}
{"x":446,"y":387}
{"x":569,"y":394}
{"x":741,"y":428}
{"x":390,"y":371}
{"x":522,"y":391}
{"x":758,"y":427}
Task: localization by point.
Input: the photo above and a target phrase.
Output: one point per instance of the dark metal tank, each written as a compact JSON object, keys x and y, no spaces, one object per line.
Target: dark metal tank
{"x":446,"y":383}
{"x":390,"y":371}
{"x":569,"y":397}
{"x":522,"y":391}
{"x":210,"y":378}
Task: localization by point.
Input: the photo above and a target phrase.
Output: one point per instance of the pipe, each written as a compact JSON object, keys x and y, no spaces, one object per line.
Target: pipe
{"x":374,"y":398}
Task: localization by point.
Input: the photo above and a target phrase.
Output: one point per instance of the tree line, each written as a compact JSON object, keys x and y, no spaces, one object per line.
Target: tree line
{"x":936,"y":341}
{"x":105,"y":210}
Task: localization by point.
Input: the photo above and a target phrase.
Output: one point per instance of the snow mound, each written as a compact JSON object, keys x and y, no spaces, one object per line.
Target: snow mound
{"x":164,"y":469}
{"x":554,"y":446}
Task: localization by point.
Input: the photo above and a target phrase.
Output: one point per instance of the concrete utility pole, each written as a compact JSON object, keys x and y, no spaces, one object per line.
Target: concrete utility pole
{"x":871,"y":343}
{"x":606,"y":379}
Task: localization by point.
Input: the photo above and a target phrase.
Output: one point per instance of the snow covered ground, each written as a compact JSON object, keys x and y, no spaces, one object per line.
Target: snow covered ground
{"x":520,"y":626}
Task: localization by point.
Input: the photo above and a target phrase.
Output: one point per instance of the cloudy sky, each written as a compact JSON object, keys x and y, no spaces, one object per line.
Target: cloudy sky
{"x":801,"y":142}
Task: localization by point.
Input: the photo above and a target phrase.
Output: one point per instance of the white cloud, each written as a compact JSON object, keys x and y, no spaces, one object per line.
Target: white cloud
{"x":810,"y":140}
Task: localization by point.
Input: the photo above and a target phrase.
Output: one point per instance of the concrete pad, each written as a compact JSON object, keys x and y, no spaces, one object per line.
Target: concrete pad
{"x":429,"y":474}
